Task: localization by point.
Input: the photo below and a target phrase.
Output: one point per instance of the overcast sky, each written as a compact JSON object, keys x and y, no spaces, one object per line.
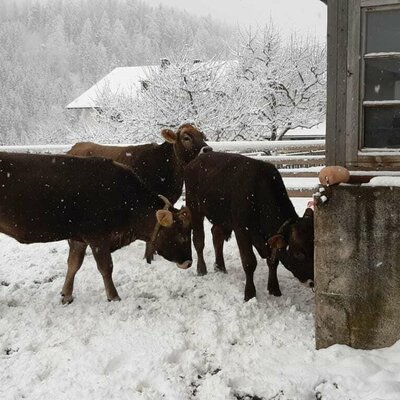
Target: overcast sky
{"x":304,"y":16}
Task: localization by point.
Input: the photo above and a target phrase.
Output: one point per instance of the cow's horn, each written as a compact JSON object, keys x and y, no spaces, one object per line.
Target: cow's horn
{"x":166,"y":201}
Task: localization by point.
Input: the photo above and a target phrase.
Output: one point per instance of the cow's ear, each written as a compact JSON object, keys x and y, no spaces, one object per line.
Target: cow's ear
{"x":185,"y":216}
{"x":309,"y":213}
{"x":165,"y":218}
{"x":277,"y":242}
{"x":169,"y":136}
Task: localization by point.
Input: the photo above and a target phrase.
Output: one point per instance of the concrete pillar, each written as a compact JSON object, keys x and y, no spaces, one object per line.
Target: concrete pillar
{"x":357,"y":262}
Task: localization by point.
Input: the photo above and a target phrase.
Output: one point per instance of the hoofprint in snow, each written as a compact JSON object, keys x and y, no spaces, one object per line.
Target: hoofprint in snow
{"x":173,"y":336}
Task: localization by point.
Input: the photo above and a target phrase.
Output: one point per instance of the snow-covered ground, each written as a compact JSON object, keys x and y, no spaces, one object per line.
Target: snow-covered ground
{"x":173,"y":336}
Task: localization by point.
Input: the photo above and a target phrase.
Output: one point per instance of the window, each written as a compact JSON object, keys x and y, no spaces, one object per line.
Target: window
{"x":380,"y":128}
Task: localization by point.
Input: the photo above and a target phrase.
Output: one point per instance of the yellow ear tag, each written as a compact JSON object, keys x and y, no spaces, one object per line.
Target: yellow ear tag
{"x":164,"y":218}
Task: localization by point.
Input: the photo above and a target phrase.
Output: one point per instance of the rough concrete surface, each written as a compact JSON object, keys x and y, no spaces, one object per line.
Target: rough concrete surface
{"x":357,"y":262}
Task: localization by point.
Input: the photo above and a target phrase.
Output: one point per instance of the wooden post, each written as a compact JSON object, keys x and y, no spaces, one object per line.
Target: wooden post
{"x":337,"y":80}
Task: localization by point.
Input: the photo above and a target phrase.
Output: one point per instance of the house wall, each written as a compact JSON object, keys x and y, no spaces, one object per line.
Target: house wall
{"x":357,"y":261}
{"x":344,"y":140}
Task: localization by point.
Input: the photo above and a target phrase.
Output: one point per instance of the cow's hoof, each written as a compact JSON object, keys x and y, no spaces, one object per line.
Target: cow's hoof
{"x":66,"y":299}
{"x":275,"y":292}
{"x":217,"y":268}
{"x":249,"y":297}
{"x":201,"y":273}
{"x":116,"y":298}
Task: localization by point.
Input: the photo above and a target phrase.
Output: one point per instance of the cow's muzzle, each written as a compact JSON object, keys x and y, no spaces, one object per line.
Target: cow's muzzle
{"x":308,"y":283}
{"x":185,"y":265}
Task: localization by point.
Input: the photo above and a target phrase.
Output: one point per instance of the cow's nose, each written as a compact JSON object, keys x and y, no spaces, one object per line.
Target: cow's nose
{"x":205,"y":149}
{"x":311,"y":284}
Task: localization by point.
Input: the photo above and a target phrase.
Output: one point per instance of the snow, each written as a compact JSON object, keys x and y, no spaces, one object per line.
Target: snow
{"x":376,"y":173}
{"x":381,"y":102}
{"x":120,"y":81}
{"x":378,"y":152}
{"x":301,"y":183}
{"x":238,"y":146}
{"x":384,"y":181}
{"x":263,"y":145}
{"x":173,"y":336}
{"x":382,"y":54}
{"x":316,"y":131}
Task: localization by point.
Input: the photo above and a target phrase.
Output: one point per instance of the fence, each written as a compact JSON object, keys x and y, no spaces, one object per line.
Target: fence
{"x":299,"y":161}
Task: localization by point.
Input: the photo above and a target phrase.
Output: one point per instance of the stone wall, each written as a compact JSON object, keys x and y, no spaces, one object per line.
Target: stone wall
{"x":357,"y":262}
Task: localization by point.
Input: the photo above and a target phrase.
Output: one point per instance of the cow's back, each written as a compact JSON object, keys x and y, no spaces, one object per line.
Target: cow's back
{"x":154,"y":164}
{"x":233,"y":189}
{"x":126,"y":155}
{"x":46,"y":198}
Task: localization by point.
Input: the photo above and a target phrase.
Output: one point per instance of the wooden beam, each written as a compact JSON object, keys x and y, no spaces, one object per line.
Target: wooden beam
{"x":341,"y":71}
{"x":331,"y":83}
{"x":262,"y":146}
{"x":353,"y":82}
{"x":301,"y":192}
{"x":373,"y":3}
{"x":292,"y":173}
{"x":293,"y":160}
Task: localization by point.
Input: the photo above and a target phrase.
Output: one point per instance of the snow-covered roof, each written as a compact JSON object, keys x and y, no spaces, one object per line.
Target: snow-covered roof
{"x":122,"y":80}
{"x":125,"y":81}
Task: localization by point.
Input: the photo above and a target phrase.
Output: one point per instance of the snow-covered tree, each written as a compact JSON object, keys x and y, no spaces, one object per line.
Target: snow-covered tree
{"x":285,"y":82}
{"x":183,"y":90}
{"x":271,"y":88}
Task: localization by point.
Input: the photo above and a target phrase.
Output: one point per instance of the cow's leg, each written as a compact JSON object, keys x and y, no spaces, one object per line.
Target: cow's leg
{"x":75,"y":259}
{"x":272,"y":262}
{"x":102,"y":255}
{"x":218,"y":236}
{"x":273,"y":284}
{"x":249,"y":261}
{"x":149,"y":253}
{"x":198,"y":241}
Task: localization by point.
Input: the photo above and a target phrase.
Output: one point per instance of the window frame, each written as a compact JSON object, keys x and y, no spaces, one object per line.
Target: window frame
{"x":346,"y":41}
{"x":368,"y":6}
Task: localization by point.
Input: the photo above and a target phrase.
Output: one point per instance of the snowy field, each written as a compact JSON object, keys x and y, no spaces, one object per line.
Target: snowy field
{"x":173,"y":336}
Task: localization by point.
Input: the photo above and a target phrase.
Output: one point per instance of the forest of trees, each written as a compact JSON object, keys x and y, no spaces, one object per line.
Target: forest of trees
{"x":51,"y":51}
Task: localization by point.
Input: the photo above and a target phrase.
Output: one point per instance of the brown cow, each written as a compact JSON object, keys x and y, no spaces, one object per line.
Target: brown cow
{"x":160,"y":167}
{"x":92,"y":202}
{"x":247,"y":196}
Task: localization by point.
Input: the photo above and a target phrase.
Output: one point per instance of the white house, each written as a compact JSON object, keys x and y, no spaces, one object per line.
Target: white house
{"x":125,"y":81}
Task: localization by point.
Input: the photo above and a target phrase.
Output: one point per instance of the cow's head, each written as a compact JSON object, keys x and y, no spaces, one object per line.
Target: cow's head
{"x":188,"y":142}
{"x":294,"y":247}
{"x":172,"y":238}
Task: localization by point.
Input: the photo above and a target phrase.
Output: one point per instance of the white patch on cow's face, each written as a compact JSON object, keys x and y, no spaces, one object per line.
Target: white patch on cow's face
{"x":186,"y":141}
